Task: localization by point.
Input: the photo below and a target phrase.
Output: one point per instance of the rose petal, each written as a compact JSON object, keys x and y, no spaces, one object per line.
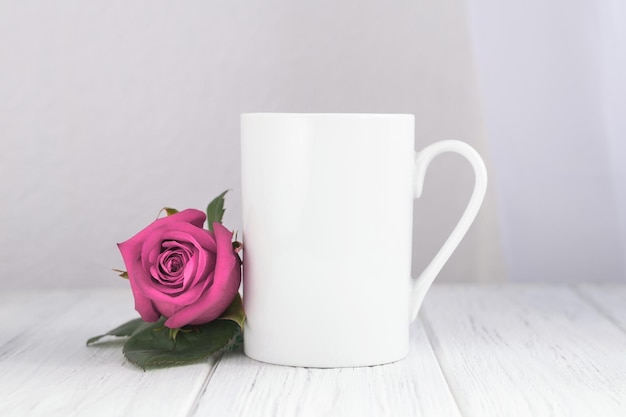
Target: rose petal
{"x":189,"y":272}
{"x":182,"y":232}
{"x":163,"y":281}
{"x":172,"y":262}
{"x":201,"y":240}
{"x":169,"y":281}
{"x":169,"y":306}
{"x":132,"y":247}
{"x":163,"y":278}
{"x":203,"y":247}
{"x":201,"y":237}
{"x":180,"y":252}
{"x":185,"y":247}
{"x":220,"y":294}
{"x":152,"y":247}
{"x":184,"y":298}
{"x":136,"y":273}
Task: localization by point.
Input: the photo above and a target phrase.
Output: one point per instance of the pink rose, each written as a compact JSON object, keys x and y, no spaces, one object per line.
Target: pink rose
{"x":181,"y":271}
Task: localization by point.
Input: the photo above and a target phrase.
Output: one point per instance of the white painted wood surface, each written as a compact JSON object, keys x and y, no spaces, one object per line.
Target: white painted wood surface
{"x":527,"y":350}
{"x":609,"y":299}
{"x":46,"y":369}
{"x":413,"y":387}
{"x":488,"y":350}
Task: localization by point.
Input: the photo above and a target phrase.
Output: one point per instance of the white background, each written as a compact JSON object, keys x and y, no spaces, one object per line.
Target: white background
{"x":110,"y":110}
{"x":554,"y":95}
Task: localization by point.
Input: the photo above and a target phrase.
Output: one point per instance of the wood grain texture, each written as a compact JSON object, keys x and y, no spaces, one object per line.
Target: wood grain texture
{"x":413,"y":387}
{"x":527,"y":350}
{"x":490,"y":350}
{"x":46,"y":369}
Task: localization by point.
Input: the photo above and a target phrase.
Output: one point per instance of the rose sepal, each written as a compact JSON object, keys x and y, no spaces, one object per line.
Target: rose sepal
{"x":121,"y":273}
{"x":235,"y":312}
{"x":215,"y":210}
{"x":168,"y":211}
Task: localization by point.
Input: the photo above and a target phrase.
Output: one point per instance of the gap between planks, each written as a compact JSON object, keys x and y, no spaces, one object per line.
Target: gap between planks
{"x":528,"y":349}
{"x":214,"y":362}
{"x":592,"y":293}
{"x":49,"y":370}
{"x":432,"y":341}
{"x":413,"y":387}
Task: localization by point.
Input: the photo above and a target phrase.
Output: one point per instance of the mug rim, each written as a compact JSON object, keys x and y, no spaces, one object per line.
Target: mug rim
{"x":326,"y":115}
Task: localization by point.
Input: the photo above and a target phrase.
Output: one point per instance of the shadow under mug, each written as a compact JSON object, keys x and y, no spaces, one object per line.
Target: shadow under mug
{"x":327,"y":233}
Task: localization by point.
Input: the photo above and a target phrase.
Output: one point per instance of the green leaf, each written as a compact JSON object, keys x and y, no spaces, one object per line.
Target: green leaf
{"x":234,"y":312}
{"x":152,"y":347}
{"x":125,"y":329}
{"x":215,"y":210}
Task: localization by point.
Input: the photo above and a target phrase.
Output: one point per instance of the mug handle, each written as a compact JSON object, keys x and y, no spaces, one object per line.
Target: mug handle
{"x":421,"y":284}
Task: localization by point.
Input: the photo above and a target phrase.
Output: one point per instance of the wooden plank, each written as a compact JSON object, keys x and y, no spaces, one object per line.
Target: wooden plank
{"x":610,"y":299}
{"x":19,"y":310}
{"x":413,"y":387}
{"x":46,"y":369}
{"x":527,"y":350}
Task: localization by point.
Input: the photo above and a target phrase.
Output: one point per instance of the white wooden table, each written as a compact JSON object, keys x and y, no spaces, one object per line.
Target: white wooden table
{"x":483,"y":350}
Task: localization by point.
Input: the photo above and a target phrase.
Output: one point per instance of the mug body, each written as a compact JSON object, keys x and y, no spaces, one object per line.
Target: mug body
{"x":327,"y":230}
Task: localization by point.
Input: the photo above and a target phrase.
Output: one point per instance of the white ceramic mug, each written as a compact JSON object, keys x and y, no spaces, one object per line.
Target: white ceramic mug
{"x":327,"y":234}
